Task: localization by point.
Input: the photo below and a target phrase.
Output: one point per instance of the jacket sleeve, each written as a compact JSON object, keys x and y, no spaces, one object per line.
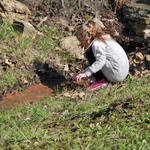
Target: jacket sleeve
{"x":98,"y":49}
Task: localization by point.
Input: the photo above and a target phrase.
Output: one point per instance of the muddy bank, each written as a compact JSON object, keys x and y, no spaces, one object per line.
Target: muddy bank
{"x":32,"y":94}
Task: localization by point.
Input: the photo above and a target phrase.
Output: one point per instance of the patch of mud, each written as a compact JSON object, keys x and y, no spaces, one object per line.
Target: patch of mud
{"x":47,"y":80}
{"x":33,"y":93}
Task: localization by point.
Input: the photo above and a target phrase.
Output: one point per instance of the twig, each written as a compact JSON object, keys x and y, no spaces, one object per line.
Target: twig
{"x":62,"y":3}
{"x":79,"y":3}
{"x":41,"y":22}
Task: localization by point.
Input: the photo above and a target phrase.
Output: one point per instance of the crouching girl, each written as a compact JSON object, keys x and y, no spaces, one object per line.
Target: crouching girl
{"x":107,"y":59}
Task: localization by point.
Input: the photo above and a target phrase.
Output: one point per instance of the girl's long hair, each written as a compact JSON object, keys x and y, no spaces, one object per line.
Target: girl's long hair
{"x":90,"y":31}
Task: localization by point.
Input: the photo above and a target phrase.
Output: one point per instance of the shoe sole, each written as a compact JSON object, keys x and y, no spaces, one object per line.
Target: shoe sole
{"x":94,"y":89}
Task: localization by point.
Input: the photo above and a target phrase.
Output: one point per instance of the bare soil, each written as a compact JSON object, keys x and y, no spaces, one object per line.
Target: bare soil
{"x":54,"y":10}
{"x":33,"y":93}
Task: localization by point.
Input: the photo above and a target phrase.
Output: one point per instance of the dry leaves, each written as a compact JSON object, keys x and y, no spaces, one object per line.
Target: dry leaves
{"x":66,"y":68}
{"x":74,"y":94}
{"x":9,"y":63}
{"x":140,"y":62}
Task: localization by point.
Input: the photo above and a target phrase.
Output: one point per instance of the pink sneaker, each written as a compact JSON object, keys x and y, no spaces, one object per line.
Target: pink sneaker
{"x":97,"y":84}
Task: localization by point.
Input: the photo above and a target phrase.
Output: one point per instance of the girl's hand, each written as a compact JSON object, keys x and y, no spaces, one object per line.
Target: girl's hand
{"x":80,"y":76}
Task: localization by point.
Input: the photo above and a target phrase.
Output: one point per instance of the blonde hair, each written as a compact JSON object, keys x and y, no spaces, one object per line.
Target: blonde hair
{"x":90,"y":31}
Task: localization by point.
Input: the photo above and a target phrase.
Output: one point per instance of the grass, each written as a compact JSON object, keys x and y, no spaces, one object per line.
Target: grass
{"x":116,"y":117}
{"x":20,"y":60}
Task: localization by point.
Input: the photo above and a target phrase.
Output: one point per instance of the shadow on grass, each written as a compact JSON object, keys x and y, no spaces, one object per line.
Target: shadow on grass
{"x":112,"y":108}
{"x":127,"y":104}
{"x":48,"y":74}
{"x":48,"y":78}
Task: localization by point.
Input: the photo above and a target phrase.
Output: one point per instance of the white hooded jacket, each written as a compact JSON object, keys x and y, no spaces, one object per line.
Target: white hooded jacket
{"x":111,"y":59}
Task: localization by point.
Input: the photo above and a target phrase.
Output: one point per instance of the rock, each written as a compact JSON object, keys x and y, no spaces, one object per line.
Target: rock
{"x":71,"y":44}
{"x":138,"y":15}
{"x":65,"y":23}
{"x":147,"y":57}
{"x":146,"y":34}
{"x":17,"y":14}
{"x":144,"y":38}
{"x":24,"y":27}
{"x":138,"y":40}
{"x":136,"y":11}
{"x":31,"y":3}
{"x":12,"y":9}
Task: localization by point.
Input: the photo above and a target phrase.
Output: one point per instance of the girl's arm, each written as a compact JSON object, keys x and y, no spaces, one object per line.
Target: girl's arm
{"x":98,"y":49}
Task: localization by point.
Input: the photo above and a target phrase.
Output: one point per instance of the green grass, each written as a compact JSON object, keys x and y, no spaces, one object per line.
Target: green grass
{"x":113,"y":118}
{"x":116,"y":117}
{"x":24,"y":55}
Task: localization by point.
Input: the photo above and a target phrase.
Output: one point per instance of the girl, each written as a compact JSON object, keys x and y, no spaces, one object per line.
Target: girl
{"x":108,"y":61}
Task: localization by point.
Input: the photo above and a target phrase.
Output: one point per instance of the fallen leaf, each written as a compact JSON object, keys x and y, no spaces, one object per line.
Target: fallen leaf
{"x":24,"y":80}
{"x":66,"y":68}
{"x":139,"y":56}
{"x":62,"y":84}
{"x":27,"y":119}
{"x":9,"y":63}
{"x":81,"y":94}
{"x":67,"y":94}
{"x":68,"y":82}
{"x":76,"y":94}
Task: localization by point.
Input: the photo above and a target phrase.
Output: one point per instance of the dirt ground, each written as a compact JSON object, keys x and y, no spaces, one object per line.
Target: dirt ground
{"x":74,"y":13}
